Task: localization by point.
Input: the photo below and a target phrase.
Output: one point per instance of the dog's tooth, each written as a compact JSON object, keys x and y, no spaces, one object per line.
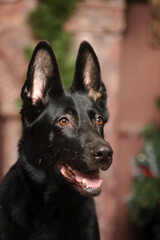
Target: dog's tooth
{"x":83,"y":182}
{"x":69,"y":168}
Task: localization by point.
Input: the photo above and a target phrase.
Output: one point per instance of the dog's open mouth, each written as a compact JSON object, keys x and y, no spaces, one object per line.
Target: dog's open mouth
{"x":89,"y":182}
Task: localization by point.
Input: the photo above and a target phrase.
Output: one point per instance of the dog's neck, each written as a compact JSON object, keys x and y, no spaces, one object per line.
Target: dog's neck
{"x":48,"y":191}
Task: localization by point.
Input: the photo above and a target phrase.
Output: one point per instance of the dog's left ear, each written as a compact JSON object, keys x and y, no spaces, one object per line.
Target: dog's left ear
{"x":43,"y":77}
{"x":88,"y":75}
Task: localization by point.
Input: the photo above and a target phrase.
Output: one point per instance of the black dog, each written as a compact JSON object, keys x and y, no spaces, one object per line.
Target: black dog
{"x":47,"y":194}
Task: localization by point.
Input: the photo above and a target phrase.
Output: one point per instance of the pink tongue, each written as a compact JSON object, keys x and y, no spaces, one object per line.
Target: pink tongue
{"x":91,"y":180}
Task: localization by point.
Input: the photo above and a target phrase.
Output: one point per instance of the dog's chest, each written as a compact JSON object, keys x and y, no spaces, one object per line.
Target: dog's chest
{"x":62,"y":223}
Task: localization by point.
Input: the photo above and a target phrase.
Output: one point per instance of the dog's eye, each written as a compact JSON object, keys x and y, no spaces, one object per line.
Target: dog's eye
{"x":63,"y":121}
{"x":99,"y":121}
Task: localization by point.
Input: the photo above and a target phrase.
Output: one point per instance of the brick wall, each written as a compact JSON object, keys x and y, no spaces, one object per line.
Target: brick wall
{"x":15,"y":35}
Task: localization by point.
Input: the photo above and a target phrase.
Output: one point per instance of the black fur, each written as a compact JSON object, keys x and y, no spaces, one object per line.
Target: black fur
{"x":37,"y":200}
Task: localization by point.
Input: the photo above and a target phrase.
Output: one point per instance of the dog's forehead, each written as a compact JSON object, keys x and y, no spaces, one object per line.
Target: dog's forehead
{"x":82,"y":101}
{"x":76,"y":103}
{"x":84,"y":104}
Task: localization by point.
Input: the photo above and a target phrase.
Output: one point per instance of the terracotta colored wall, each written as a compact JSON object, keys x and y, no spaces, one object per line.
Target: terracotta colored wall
{"x":138,"y":89}
{"x":15,"y":35}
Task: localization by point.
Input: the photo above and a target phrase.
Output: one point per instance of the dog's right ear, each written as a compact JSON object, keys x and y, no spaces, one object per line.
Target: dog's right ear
{"x":43,"y":77}
{"x":87,"y":77}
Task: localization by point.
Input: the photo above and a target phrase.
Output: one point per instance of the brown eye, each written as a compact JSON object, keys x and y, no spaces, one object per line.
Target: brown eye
{"x":63,"y":121}
{"x":99,"y":121}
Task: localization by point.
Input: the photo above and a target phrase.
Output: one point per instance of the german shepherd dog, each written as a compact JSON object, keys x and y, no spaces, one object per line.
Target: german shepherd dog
{"x":48,"y":193}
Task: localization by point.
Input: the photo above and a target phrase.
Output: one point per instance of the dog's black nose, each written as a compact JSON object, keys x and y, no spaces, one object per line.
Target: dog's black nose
{"x":102,"y":152}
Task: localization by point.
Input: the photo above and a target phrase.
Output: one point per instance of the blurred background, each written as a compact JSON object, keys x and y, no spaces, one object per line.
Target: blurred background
{"x":126,"y":38}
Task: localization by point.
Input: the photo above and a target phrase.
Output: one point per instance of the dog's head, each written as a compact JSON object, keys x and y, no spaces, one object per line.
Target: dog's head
{"x":63,"y":131}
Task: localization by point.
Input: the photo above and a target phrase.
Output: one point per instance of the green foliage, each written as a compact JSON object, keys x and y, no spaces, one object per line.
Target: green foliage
{"x":49,"y":17}
{"x":47,"y":21}
{"x":144,"y":203}
{"x":149,"y":132}
{"x":28,"y":52}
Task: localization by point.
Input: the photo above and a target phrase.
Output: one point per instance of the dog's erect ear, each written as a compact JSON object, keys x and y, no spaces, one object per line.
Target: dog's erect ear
{"x":43,"y":77}
{"x":87,"y":73}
